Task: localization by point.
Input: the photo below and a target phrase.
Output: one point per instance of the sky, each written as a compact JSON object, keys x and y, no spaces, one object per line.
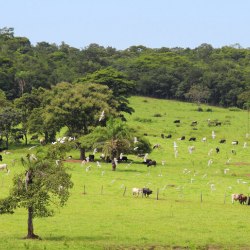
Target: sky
{"x":124,"y":23}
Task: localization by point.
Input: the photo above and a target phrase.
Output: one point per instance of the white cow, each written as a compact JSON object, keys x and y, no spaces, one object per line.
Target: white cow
{"x":4,"y":167}
{"x":136,"y":191}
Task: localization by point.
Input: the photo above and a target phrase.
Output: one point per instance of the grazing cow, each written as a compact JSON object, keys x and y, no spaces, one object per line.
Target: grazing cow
{"x":235,"y":197}
{"x":222,"y":141}
{"x":4,"y":167}
{"x":1,"y":158}
{"x":217,"y":150}
{"x":194,"y":123}
{"x":91,"y":158}
{"x":177,"y":121}
{"x":162,"y":136}
{"x":235,"y":142}
{"x":192,"y":139}
{"x":169,"y":136}
{"x":182,"y":138}
{"x":217,"y":123}
{"x":146,"y":161}
{"x":136,"y":191}
{"x":123,"y":159}
{"x":242,"y":199}
{"x":146,"y":192}
{"x":145,"y":134}
{"x":248,"y":202}
{"x":151,"y":163}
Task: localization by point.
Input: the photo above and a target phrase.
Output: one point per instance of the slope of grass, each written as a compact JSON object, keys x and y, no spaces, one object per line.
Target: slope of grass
{"x":194,"y":208}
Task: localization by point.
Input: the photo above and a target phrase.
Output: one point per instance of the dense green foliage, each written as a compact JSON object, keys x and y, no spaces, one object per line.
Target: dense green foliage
{"x":173,"y":73}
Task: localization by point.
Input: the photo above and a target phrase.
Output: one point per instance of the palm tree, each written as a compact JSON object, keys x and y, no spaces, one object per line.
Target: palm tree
{"x":117,"y":141}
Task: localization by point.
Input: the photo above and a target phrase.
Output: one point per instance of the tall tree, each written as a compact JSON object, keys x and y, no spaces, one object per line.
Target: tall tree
{"x":117,"y":81}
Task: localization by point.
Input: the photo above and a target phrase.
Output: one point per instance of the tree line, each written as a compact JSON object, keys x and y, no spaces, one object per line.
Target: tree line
{"x":218,"y":76}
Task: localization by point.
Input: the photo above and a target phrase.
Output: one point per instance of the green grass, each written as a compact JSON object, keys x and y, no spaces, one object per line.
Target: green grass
{"x":105,"y":218}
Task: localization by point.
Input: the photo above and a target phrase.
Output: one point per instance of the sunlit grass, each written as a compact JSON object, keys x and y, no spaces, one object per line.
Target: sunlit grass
{"x":194,"y":208}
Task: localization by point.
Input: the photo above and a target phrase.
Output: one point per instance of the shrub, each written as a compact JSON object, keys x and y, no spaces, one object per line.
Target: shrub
{"x":200,"y":109}
{"x":157,"y":115}
{"x":145,"y":120}
{"x":209,"y":110}
{"x":234,"y":109}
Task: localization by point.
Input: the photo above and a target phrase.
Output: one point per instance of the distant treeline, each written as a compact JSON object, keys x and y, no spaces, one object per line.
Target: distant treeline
{"x":218,"y":76}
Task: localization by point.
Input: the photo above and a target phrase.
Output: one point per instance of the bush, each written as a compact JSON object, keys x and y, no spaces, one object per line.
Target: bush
{"x":145,"y":120}
{"x":234,"y":109}
{"x":200,"y":109}
{"x":157,"y":115}
{"x":209,"y":110}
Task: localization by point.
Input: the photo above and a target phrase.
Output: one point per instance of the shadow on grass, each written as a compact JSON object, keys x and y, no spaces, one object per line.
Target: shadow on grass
{"x":76,"y":238}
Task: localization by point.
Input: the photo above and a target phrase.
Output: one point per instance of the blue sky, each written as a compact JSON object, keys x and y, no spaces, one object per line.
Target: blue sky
{"x":124,"y":23}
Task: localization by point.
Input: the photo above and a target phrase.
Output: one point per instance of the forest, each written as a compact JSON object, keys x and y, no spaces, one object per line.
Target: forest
{"x":46,"y":87}
{"x":217,"y":76}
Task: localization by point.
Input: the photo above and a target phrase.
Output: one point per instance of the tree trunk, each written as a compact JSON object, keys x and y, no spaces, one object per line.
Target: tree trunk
{"x":113,"y":165}
{"x":31,"y":234}
{"x":26,"y":139}
{"x":82,"y":153}
{"x":7,"y":141}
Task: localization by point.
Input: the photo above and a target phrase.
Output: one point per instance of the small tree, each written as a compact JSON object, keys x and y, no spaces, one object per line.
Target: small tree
{"x":198,"y":94}
{"x":9,"y":118}
{"x":44,"y":182}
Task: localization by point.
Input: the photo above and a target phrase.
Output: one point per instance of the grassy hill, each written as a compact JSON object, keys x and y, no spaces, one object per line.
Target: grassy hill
{"x":193,"y":210}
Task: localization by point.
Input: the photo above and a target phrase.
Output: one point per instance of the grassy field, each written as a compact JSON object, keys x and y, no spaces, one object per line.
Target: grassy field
{"x":193,"y":210}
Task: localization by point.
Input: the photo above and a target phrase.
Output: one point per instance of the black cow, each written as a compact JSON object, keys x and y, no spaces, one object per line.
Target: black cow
{"x":243,"y":199}
{"x":146,"y":192}
{"x":183,"y":138}
{"x":217,"y":150}
{"x":162,"y":136}
{"x":145,"y":134}
{"x":217,"y":123}
{"x":123,"y":159}
{"x":147,"y":161}
{"x":169,"y":136}
{"x":223,"y":141}
{"x":248,"y":202}
{"x":151,"y":163}
{"x":91,"y":158}
{"x":1,"y":158}
{"x":192,"y":139}
{"x":177,"y":121}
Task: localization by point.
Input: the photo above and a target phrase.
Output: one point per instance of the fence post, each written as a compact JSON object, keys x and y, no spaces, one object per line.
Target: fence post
{"x":84,"y":191}
{"x":102,"y":190}
{"x":201,"y":197}
{"x":124,"y":190}
{"x":157,"y":197}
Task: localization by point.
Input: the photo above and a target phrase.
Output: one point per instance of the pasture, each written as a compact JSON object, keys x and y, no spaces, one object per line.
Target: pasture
{"x":193,"y":210}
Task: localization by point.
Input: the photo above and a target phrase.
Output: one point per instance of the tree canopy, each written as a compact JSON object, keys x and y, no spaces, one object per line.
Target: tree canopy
{"x":43,"y":184}
{"x":157,"y":72}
